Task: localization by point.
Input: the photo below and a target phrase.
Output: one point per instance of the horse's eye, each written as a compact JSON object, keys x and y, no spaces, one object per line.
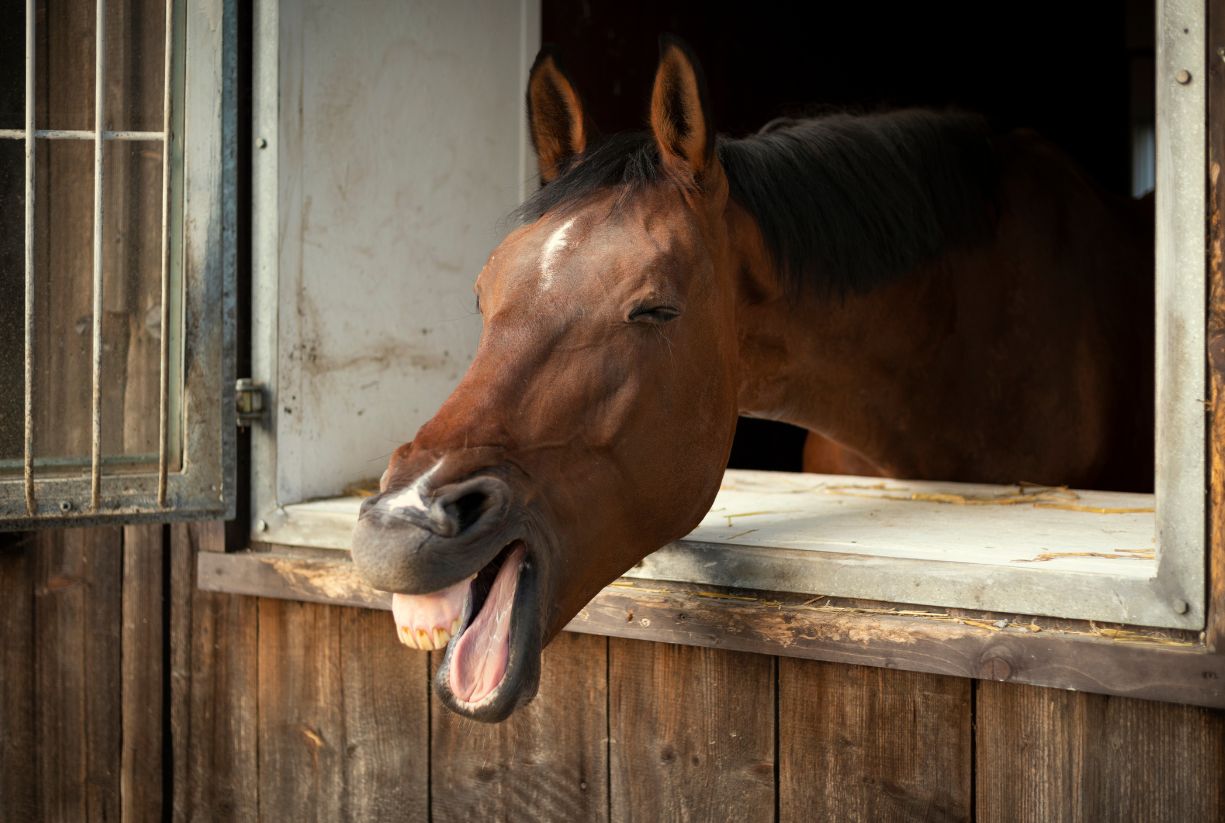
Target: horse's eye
{"x":654,"y":314}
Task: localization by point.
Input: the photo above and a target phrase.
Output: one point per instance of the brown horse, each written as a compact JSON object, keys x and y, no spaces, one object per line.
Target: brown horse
{"x":939,"y":302}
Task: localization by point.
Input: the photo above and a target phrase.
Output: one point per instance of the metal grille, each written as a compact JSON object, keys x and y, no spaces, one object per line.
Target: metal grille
{"x":99,"y":136}
{"x":195,"y":301}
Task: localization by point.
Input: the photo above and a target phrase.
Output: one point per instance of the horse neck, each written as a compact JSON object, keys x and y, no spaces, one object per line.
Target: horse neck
{"x":860,"y":369}
{"x":1027,"y":356}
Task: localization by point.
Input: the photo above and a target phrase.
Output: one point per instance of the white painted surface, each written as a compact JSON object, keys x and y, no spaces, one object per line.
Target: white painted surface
{"x":1181,"y":478}
{"x":396,"y":148}
{"x":952,"y":522}
{"x":1091,"y":532}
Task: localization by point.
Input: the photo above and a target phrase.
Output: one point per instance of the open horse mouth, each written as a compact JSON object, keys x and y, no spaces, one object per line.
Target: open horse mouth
{"x":489,"y":625}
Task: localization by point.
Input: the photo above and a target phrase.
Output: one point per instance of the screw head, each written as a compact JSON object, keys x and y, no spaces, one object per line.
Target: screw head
{"x":65,"y":505}
{"x":261,"y":525}
{"x":262,"y":142}
{"x":1181,"y":606}
{"x":1183,"y":77}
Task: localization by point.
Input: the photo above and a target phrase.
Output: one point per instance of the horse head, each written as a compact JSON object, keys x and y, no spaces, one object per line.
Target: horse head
{"x":594,"y":423}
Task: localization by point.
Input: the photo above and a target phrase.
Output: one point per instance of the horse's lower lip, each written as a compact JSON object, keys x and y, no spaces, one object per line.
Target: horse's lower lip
{"x":479,"y":654}
{"x":513,"y":678}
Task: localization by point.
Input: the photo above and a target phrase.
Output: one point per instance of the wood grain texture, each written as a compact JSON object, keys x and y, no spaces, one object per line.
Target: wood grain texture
{"x":301,"y":721}
{"x":18,"y":753}
{"x":548,"y":762}
{"x":925,"y":640}
{"x":386,"y":717}
{"x":1160,"y":665}
{"x":213,"y":670}
{"x":78,"y":578}
{"x":1215,"y":630}
{"x":1049,"y":755}
{"x":691,"y":733}
{"x":143,"y":673}
{"x":869,"y":744}
{"x":343,"y":733}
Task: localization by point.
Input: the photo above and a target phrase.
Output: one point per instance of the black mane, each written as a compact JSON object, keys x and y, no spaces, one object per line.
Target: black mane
{"x":844,"y":202}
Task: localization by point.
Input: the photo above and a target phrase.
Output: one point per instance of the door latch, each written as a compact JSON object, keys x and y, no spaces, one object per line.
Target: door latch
{"x":249,"y":402}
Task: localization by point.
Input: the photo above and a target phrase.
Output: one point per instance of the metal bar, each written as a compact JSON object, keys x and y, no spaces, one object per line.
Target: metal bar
{"x":163,"y":401}
{"x":1181,"y":276}
{"x":28,"y":468}
{"x":143,"y":459}
{"x":81,"y":134}
{"x":99,"y":121}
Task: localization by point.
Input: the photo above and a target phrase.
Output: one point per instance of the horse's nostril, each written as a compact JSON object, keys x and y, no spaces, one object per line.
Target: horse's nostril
{"x":467,"y":509}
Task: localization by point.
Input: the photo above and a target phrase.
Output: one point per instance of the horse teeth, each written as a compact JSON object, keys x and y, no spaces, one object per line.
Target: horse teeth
{"x":423,"y":640}
{"x":441,"y":636}
{"x":406,"y":637}
{"x":455,"y":627}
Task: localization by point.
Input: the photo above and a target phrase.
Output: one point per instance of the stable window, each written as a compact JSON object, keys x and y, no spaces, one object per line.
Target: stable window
{"x":116,"y":249}
{"x":378,"y":195}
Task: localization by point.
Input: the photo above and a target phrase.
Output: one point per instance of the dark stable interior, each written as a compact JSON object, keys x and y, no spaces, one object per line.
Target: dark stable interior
{"x":1078,"y":73}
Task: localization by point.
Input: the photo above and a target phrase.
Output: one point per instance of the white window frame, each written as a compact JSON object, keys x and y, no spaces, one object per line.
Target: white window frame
{"x":1171,"y":593}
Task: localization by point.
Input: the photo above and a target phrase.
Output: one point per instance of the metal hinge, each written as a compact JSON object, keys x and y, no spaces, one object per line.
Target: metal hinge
{"x":249,"y":402}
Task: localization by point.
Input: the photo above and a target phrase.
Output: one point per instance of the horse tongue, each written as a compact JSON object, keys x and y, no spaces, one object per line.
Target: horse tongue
{"x":479,"y":659}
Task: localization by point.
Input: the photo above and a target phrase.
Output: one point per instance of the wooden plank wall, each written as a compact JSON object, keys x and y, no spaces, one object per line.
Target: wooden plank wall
{"x":128,"y":694}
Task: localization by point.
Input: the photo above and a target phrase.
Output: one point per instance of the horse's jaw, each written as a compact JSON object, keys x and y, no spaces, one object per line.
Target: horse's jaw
{"x":493,"y":665}
{"x":491,"y":625}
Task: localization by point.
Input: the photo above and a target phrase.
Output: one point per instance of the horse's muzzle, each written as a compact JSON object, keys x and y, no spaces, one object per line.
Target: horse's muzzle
{"x":405,"y":543}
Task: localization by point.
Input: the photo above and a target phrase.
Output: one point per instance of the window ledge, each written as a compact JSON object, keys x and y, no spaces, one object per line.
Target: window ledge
{"x":1015,"y":549}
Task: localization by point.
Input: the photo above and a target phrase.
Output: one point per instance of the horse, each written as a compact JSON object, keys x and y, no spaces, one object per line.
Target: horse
{"x":929,"y":299}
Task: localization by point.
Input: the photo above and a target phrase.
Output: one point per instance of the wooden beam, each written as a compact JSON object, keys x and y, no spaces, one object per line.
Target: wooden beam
{"x":1108,"y":660}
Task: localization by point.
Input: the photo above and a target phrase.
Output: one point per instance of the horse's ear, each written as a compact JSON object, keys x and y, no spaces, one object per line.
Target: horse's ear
{"x":559,"y":127}
{"x":680,"y":111}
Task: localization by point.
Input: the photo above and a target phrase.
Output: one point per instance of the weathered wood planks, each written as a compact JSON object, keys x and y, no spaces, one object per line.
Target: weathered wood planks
{"x":683,"y":745}
{"x":1160,"y":665}
{"x":614,"y":730}
{"x":18,"y":770}
{"x":386,"y":720}
{"x":213,"y":690}
{"x":1046,"y":754}
{"x":77,"y":597}
{"x":866,"y":744}
{"x":143,"y":673}
{"x":343,"y":730}
{"x":548,"y":762}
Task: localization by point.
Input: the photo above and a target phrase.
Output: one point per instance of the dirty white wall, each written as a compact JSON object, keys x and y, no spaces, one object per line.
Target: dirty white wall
{"x":395,"y":148}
